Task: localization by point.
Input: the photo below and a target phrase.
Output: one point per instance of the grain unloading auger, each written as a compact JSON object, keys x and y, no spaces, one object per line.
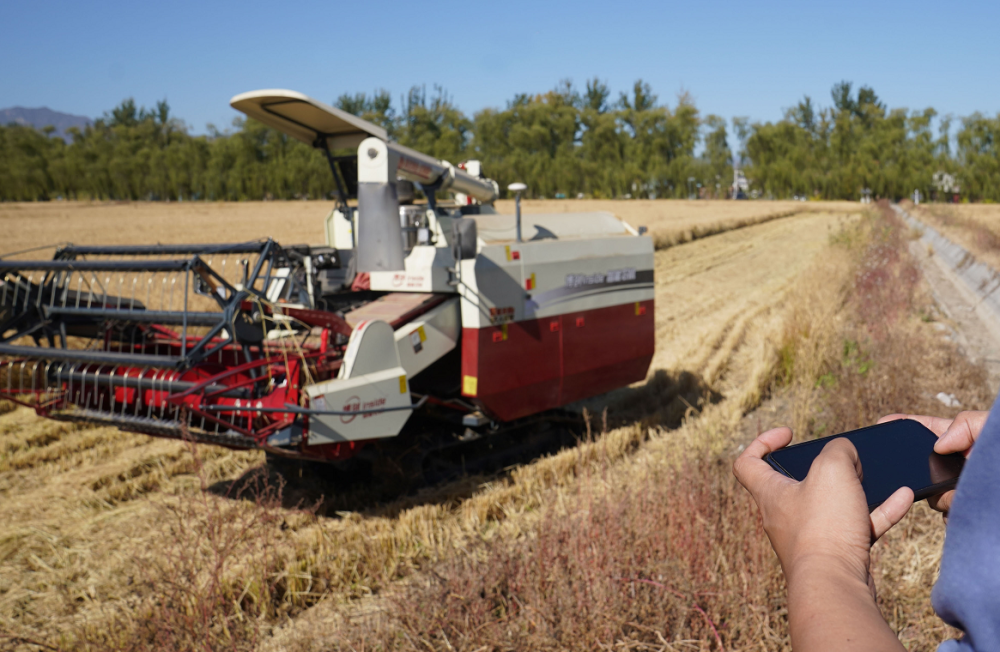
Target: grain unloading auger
{"x":314,"y":351}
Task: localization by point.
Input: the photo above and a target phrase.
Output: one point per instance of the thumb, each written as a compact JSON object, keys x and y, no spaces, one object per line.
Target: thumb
{"x":891,"y":511}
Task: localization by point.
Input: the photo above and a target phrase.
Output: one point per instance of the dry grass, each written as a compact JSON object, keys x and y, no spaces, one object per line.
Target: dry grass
{"x":35,"y":224}
{"x":676,"y":221}
{"x":80,"y":503}
{"x":85,"y":519}
{"x":634,"y":554}
{"x":974,"y":226}
{"x":866,"y":348}
{"x":660,"y":550}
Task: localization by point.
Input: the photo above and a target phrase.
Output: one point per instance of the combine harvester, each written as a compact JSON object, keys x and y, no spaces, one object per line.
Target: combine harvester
{"x":313,"y":352}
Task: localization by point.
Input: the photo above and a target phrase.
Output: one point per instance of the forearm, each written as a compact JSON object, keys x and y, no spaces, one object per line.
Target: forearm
{"x":830,"y":607}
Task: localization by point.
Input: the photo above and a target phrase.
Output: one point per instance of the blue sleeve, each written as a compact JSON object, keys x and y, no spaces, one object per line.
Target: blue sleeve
{"x":967,"y":593}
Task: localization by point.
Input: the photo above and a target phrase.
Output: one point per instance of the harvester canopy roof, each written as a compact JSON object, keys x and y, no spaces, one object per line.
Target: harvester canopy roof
{"x":558,"y":226}
{"x":306,"y":119}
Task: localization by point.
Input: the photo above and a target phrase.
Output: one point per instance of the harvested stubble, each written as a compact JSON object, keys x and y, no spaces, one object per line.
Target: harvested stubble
{"x":31,"y":225}
{"x":673,"y":222}
{"x":98,"y":494}
{"x":66,"y":564}
{"x":660,"y":550}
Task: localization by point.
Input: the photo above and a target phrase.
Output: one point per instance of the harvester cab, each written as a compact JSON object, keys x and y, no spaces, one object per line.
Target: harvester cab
{"x":446,"y":307}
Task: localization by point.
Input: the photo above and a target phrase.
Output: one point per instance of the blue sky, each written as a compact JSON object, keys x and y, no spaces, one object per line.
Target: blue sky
{"x":736,"y":59}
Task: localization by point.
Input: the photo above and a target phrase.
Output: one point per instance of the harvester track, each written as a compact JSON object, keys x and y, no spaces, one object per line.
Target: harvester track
{"x":430,"y":452}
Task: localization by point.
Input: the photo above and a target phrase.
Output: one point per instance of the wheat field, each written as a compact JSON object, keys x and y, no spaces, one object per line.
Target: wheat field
{"x":89,"y":514}
{"x":30,"y":225}
{"x":672,"y":222}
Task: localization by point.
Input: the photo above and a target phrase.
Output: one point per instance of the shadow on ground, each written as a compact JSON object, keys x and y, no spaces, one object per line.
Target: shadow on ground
{"x":415,"y":469}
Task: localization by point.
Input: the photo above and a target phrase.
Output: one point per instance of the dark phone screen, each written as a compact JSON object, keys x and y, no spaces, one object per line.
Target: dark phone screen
{"x":893,"y":455}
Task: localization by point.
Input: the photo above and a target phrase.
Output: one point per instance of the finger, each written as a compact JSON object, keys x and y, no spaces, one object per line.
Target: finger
{"x":839,"y":451}
{"x":891,"y":511}
{"x":942,"y":502}
{"x":937,"y":425}
{"x":962,"y":433}
{"x":750,"y":468}
{"x":768,"y":442}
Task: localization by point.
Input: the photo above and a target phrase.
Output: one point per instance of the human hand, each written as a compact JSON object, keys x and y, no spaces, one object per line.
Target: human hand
{"x":822,"y":523}
{"x":954,"y":436}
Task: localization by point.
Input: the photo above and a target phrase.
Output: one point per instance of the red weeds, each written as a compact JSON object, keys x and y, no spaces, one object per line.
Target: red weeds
{"x":596,"y":577}
{"x":886,"y":364}
{"x":694,"y":605}
{"x":886,"y":280}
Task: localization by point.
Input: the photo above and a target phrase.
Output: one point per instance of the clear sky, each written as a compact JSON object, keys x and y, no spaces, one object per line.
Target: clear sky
{"x":735,"y":58}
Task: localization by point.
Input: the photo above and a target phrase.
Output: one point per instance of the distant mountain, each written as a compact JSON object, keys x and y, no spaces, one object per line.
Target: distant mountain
{"x":43,"y":117}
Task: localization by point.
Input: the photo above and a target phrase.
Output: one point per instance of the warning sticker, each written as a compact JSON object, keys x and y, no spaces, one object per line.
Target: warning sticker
{"x":470,"y":384}
{"x":502,"y":315}
{"x":417,"y":339}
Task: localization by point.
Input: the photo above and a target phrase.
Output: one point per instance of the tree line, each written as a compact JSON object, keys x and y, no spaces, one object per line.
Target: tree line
{"x":568,"y":141}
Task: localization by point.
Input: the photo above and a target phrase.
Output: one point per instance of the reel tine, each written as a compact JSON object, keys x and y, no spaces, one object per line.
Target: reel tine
{"x":111,"y":389}
{"x":125,"y":389}
{"x":34,"y":374}
{"x":152,"y":393}
{"x":17,"y":286}
{"x":45,"y":382}
{"x":107,"y":282}
{"x":138,"y":391}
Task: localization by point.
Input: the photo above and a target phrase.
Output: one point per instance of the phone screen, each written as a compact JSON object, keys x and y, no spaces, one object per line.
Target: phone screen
{"x":893,"y":455}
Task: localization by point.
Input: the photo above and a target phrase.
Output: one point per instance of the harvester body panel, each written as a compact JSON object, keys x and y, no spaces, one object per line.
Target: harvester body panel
{"x":551,"y":321}
{"x":368,"y":394}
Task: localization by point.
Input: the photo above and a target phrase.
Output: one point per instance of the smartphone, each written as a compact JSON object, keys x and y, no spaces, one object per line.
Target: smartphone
{"x":893,"y":454}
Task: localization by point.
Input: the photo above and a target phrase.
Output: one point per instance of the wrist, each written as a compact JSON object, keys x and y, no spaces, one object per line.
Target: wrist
{"x":832,"y":606}
{"x":814,"y":567}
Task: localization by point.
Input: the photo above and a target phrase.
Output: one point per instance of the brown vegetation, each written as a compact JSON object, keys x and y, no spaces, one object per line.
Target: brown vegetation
{"x":673,"y":222}
{"x":662,"y":550}
{"x":638,"y":537}
{"x":33,"y":224}
{"x":974,"y":226}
